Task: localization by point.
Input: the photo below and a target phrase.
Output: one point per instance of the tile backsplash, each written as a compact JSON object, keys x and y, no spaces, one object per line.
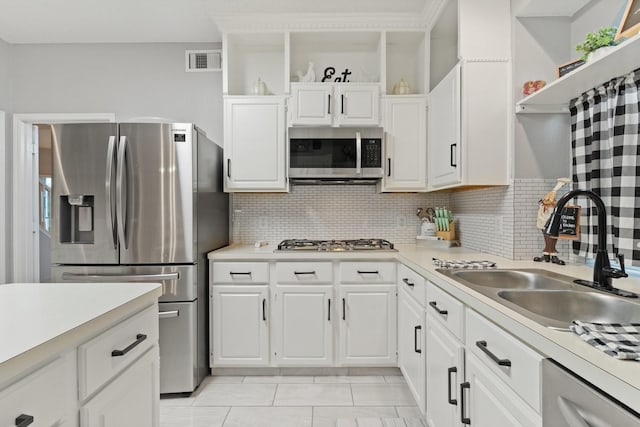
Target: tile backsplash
{"x":495,"y":220}
{"x":329,"y":212}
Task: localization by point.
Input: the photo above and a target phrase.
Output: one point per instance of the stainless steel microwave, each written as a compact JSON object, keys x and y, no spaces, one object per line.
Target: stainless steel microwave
{"x":335,"y":158}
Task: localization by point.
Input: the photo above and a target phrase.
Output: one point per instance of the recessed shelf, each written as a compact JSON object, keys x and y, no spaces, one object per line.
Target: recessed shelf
{"x":556,"y":96}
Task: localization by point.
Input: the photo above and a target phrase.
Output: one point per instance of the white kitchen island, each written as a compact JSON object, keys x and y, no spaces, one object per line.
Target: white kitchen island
{"x":82,"y":354}
{"x":618,"y":378}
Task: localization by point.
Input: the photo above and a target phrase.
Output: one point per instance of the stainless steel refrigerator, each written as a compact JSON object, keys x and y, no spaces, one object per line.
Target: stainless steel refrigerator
{"x":137,"y":202}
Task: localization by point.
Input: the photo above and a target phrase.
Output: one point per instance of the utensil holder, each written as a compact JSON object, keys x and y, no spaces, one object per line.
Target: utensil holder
{"x":448,"y":235}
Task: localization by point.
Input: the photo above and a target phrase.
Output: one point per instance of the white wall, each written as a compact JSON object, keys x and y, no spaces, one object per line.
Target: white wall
{"x":130,"y":80}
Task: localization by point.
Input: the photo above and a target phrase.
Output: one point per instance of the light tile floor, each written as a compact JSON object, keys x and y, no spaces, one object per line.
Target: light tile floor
{"x":292,"y":401}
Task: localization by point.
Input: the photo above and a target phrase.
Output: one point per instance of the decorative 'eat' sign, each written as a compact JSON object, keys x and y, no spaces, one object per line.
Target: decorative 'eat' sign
{"x":330,"y":71}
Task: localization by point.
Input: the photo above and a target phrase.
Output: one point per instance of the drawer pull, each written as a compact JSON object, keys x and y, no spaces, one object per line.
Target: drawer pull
{"x":450,"y":371}
{"x":464,"y":386}
{"x":408,"y":283}
{"x":482,"y":345}
{"x":434,"y":305}
{"x":139,"y":339}
{"x":301,"y":273}
{"x":240,"y":273}
{"x":368,"y":272}
{"x":415,"y":338}
{"x":23,"y":420}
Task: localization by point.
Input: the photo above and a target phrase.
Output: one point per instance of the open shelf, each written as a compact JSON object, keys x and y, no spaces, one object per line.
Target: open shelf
{"x":555,"y":97}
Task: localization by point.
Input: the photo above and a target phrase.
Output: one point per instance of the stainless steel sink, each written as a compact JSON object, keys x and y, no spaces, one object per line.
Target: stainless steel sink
{"x":509,"y":279}
{"x":563,"y":307}
{"x":550,"y":299}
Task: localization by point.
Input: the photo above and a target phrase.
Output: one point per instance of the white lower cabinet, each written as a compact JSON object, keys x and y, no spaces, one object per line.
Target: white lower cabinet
{"x":487,"y":402}
{"x":444,"y":371}
{"x":367,"y":325}
{"x":240,"y":325}
{"x":48,"y":396}
{"x":411,"y":348}
{"x":112,"y":379}
{"x":303,"y":325}
{"x":129,"y":400}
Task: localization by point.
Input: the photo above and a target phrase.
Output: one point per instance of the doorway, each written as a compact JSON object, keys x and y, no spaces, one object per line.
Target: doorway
{"x":26,"y":192}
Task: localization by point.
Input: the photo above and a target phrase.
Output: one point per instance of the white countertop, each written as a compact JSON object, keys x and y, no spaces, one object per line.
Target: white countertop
{"x":40,"y":317}
{"x":617,"y":377}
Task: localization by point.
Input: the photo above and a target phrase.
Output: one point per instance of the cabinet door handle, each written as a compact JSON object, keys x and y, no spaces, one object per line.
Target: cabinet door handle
{"x":228,"y":168}
{"x":344,"y":309}
{"x":450,"y":371}
{"x":341,"y":103}
{"x":451,"y":156}
{"x":329,"y":104}
{"x":116,"y":353}
{"x":415,"y":338}
{"x":302,"y":273}
{"x":408,"y":283}
{"x":434,"y":304}
{"x":463,"y":386}
{"x":23,"y":420}
{"x":329,"y":311}
{"x":264,"y":309}
{"x":389,"y":166}
{"x":482,"y":345}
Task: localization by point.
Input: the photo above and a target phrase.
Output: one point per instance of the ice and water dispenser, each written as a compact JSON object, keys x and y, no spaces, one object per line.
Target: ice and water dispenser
{"x":76,"y":218}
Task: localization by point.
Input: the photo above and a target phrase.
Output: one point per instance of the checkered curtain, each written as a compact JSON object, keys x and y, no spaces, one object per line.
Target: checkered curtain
{"x":606,"y":159}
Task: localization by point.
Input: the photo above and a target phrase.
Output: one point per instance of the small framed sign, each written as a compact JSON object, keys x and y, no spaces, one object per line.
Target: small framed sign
{"x":630,"y":24}
{"x":569,"y":66}
{"x":570,"y":223}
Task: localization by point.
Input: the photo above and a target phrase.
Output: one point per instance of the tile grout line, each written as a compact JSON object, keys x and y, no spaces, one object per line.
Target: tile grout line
{"x":273,"y":401}
{"x":226,"y":416}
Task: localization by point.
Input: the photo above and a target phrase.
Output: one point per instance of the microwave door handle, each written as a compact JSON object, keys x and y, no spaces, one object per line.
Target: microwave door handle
{"x":358,"y":154}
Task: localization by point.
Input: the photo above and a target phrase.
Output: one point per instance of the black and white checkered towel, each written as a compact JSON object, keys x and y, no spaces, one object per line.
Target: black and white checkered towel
{"x":462,"y":263}
{"x":615,"y":339}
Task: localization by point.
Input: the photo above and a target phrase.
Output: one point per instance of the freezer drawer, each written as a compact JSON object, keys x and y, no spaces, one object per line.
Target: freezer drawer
{"x":569,"y":401}
{"x":178,"y":347}
{"x":179,"y":282}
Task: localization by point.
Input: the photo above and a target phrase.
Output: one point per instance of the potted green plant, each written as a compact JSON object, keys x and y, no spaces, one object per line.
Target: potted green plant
{"x":602,"y":38}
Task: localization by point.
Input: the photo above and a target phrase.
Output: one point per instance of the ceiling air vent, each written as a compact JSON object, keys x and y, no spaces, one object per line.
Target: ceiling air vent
{"x":203,"y":60}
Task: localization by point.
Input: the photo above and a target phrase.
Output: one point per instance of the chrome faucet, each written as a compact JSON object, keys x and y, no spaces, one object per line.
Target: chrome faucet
{"x":602,"y":270}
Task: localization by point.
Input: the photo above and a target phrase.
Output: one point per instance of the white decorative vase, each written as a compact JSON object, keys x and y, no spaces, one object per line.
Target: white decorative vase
{"x":599,"y":53}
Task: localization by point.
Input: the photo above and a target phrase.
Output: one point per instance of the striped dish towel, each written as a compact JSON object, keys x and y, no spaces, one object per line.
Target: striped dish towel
{"x":615,"y":339}
{"x":462,"y":263}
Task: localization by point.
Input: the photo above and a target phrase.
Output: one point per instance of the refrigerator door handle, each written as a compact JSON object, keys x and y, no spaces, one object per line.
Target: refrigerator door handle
{"x":75,"y":277}
{"x":107,"y":188}
{"x":166,"y":314}
{"x":120,"y":192}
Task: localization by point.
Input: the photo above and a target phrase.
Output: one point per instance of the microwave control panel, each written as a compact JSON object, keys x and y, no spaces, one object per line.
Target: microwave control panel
{"x":371,"y":153}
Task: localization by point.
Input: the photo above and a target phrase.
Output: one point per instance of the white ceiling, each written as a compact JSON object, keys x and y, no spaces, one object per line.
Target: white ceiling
{"x":132,"y":21}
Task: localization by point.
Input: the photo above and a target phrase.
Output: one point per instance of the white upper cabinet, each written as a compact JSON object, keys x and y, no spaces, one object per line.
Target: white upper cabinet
{"x":326,"y":104}
{"x":254,"y":144}
{"x":405,"y":143}
{"x":469,"y":125}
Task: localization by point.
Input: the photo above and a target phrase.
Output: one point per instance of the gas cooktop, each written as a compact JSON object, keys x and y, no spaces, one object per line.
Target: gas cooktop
{"x":336,"y":245}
